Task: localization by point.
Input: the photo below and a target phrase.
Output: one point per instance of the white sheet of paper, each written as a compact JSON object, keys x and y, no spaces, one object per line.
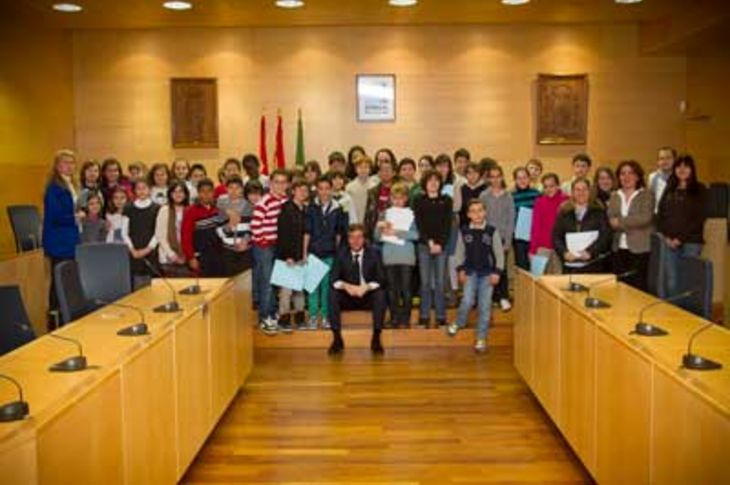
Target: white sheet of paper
{"x":400,"y":217}
{"x":314,"y":271}
{"x":578,"y":242}
{"x":393,"y":240}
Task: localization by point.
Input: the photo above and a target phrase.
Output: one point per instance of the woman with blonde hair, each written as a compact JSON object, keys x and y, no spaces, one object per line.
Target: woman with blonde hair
{"x":61,"y":219}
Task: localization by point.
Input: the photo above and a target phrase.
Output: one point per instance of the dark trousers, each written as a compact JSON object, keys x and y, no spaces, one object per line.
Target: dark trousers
{"x":501,"y":291}
{"x":235,"y":262}
{"x":373,"y":300}
{"x":624,"y":261}
{"x":522,"y":257}
{"x":399,"y":292}
{"x":52,"y":298}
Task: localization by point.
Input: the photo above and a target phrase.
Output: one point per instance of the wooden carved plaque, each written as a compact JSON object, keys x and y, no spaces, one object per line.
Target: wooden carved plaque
{"x":562,"y":109}
{"x":194,"y":103}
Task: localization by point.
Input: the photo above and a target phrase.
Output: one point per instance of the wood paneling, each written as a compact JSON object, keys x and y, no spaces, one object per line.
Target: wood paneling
{"x":546,"y":374}
{"x":467,"y":86}
{"x":223,"y":344}
{"x":524,"y":324}
{"x":31,"y":272}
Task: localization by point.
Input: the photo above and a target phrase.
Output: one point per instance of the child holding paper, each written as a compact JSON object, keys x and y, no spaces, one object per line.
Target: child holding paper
{"x":399,"y":256}
{"x":290,"y":248}
{"x":524,"y":197}
{"x":481,"y":271}
{"x":324,"y":226}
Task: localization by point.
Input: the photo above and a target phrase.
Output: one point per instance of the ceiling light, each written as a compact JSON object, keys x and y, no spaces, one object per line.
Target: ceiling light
{"x":178,"y":5}
{"x":626,"y":2}
{"x":515,"y":2}
{"x":67,"y":7}
{"x":402,"y":3}
{"x":289,"y":3}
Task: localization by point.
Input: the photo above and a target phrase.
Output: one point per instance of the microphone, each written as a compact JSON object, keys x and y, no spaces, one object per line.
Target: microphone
{"x":649,"y":330}
{"x":15,"y":410}
{"x":135,"y":330}
{"x":575,"y":287}
{"x":697,"y":362}
{"x":193,"y":289}
{"x":72,"y":364}
{"x":171,"y":306}
{"x":593,"y":302}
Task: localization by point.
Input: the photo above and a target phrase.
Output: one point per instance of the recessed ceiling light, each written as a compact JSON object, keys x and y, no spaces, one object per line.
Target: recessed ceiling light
{"x":178,"y":5}
{"x":402,"y":3}
{"x":289,"y":3}
{"x":515,"y":2}
{"x":628,"y":1}
{"x":67,"y":7}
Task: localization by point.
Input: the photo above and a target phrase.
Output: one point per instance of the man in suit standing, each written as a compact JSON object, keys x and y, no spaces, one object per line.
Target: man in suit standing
{"x":358,"y":280}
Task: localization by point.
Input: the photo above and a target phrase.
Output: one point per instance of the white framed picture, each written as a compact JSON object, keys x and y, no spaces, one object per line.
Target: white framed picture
{"x":375,"y":97}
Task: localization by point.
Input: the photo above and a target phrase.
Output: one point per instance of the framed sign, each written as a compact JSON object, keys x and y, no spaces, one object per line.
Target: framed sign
{"x":375,"y":97}
{"x":194,"y":103}
{"x":562,"y":109}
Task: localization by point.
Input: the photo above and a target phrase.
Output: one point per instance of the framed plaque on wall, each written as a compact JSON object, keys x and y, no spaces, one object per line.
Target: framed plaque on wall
{"x":194,"y":106}
{"x":562,"y":109}
{"x":375,"y":97}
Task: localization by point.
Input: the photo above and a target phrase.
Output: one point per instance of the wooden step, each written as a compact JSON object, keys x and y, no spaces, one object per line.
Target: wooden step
{"x":357,"y":331}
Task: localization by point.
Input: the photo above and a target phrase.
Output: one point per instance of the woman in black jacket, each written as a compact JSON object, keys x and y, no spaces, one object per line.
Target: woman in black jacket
{"x":579,"y":215}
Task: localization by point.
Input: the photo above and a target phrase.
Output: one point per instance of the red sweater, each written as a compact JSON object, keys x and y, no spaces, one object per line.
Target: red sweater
{"x":222,"y":189}
{"x":265,"y":219}
{"x":193,"y":214}
{"x":543,"y":219}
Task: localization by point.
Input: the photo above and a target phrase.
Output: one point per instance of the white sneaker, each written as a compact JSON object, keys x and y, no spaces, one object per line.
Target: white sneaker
{"x":325,"y":324}
{"x":270,"y":326}
{"x":452,"y":329}
{"x":312,"y":324}
{"x":480,"y":346}
{"x":505,"y":305}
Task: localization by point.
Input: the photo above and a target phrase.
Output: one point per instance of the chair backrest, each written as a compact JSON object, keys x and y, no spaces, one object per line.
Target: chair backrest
{"x":104,"y":270}
{"x":657,"y":279}
{"x":26,"y":223}
{"x":696,"y":274}
{"x":15,"y":328}
{"x":72,"y":303}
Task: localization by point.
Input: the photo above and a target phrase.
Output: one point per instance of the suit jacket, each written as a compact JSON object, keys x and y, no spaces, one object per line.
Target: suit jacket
{"x":343,"y":267}
{"x":638,"y":224}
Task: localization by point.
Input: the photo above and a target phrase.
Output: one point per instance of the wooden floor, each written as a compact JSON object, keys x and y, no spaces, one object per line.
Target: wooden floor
{"x":414,"y":416}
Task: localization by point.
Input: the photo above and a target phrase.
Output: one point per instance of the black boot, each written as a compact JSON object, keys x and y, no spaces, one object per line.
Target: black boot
{"x":338,"y":345}
{"x":299,"y":318}
{"x":375,"y":345}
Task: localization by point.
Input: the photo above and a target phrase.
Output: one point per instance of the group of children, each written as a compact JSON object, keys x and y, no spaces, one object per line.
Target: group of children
{"x":463,"y":225}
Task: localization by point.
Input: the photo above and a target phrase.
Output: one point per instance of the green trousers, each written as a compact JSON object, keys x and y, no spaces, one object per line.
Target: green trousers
{"x":318,"y":300}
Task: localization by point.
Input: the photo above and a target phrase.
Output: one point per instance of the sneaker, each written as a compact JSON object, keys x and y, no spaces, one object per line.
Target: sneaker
{"x":269,"y":327}
{"x":480,"y":346}
{"x":326,"y":324}
{"x":312,"y":323}
{"x":300,"y":320}
{"x":440,"y":322}
{"x":285,"y":324}
{"x":452,"y":329}
{"x":505,"y":305}
{"x":423,"y":322}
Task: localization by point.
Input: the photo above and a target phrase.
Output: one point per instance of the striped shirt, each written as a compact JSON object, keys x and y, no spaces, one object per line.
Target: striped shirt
{"x":264,"y":220}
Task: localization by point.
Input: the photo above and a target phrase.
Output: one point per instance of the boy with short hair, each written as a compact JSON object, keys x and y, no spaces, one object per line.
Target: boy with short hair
{"x":339,"y":180}
{"x":200,"y":242}
{"x":235,"y":235}
{"x":480,"y":272}
{"x":337,"y":162}
{"x":471,"y":189}
{"x":264,"y":232}
{"x":359,"y":187}
{"x":291,"y":249}
{"x":581,"y":169}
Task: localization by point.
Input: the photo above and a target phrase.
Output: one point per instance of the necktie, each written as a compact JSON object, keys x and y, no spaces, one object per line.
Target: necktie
{"x":356,"y":260}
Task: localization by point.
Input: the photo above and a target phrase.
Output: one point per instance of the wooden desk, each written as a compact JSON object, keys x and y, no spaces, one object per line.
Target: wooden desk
{"x":622,"y":401}
{"x":143,"y":411}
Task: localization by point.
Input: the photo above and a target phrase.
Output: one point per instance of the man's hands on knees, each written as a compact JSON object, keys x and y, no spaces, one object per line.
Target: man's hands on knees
{"x":356,"y":291}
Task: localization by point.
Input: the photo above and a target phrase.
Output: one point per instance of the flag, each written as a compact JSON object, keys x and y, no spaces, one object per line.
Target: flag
{"x":279,"y":158}
{"x":300,"y":141}
{"x":264,"y":158}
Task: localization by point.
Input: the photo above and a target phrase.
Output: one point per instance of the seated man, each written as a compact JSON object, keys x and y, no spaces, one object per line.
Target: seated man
{"x":357,"y":279}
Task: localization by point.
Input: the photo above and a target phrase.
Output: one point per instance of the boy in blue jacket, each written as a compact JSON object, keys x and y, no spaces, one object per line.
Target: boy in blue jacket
{"x":480,"y":272}
{"x":325,"y":224}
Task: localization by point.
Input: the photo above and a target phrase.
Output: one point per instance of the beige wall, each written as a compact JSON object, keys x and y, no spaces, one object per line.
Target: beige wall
{"x":457,"y":86}
{"x":36,"y":112}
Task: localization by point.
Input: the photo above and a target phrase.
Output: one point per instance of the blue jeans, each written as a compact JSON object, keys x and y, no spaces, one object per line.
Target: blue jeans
{"x":433,"y":273}
{"x":671,"y":264}
{"x":479,"y":288}
{"x":264,"y":262}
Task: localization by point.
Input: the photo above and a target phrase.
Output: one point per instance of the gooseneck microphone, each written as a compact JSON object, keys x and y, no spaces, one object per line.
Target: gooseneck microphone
{"x":135,"y":330}
{"x":171,"y":306}
{"x":650,"y":330}
{"x":71,"y":364}
{"x":593,"y":302}
{"x":193,"y":289}
{"x":15,"y":410}
{"x":697,"y":362}
{"x":574,"y":286}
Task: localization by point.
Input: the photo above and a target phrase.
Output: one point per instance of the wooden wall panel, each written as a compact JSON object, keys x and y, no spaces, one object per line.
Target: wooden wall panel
{"x":223,"y":344}
{"x":546,"y":345}
{"x":31,"y":272}
{"x":524,"y":324}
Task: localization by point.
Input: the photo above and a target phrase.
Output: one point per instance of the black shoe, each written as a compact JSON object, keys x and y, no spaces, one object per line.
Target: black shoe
{"x":376,"y":346}
{"x":405,"y":324}
{"x":423,"y":322}
{"x":299,"y":320}
{"x":285,"y":324}
{"x":441,"y":323}
{"x":337,"y":346}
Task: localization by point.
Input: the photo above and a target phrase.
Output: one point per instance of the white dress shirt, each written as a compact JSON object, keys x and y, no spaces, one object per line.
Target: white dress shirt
{"x":372,"y":285}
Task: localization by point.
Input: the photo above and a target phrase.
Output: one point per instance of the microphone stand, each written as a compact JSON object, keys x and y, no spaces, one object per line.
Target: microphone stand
{"x":597,"y":303}
{"x":15,"y":410}
{"x":135,"y":330}
{"x":193,"y":289}
{"x":171,"y":306}
{"x":575,"y":287}
{"x":71,"y":364}
{"x":697,"y":362}
{"x":649,"y":330}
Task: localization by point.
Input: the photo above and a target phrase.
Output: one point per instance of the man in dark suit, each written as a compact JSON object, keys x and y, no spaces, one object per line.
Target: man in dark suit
{"x":358,"y":280}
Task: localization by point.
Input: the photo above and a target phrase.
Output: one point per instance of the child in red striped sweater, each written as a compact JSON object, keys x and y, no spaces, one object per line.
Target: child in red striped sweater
{"x":264,"y":238}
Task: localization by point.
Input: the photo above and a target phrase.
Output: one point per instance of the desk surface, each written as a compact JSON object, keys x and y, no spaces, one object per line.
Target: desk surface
{"x":618,"y":320}
{"x":48,"y":393}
